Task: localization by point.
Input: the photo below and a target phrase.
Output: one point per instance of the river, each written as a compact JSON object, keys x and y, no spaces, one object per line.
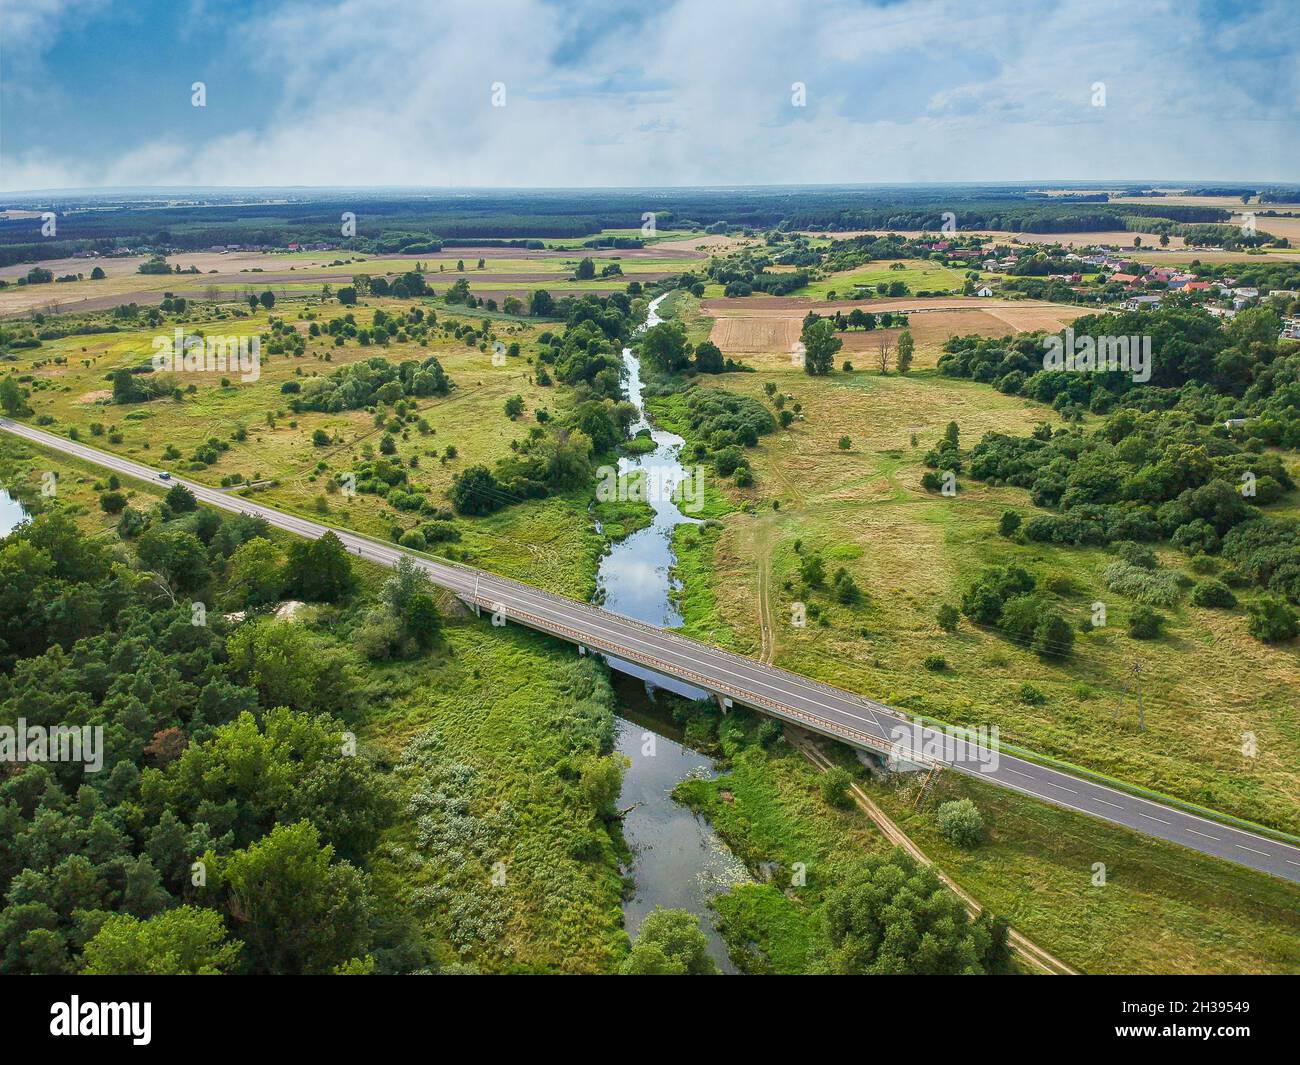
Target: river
{"x":678,"y":860}
{"x":12,"y":513}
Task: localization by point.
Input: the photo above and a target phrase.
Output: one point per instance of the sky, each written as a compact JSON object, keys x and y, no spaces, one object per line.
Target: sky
{"x":603,"y":93}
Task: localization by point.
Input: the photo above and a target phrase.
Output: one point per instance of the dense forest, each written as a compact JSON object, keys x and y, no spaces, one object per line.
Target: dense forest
{"x":426,"y":222}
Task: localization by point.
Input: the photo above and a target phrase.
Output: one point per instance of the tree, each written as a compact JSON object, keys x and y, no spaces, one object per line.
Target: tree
{"x":267,"y":299}
{"x":665,"y":347}
{"x":12,"y":398}
{"x":947,"y":617}
{"x":541,"y":304}
{"x":97,"y":274}
{"x":289,"y":666}
{"x":177,"y":556}
{"x":347,"y":295}
{"x":180,"y":500}
{"x":1008,"y":523}
{"x":708,"y":357}
{"x":812,"y":571}
{"x":884,"y":350}
{"x":820,"y":345}
{"x":892,"y":916}
{"x":669,"y":943}
{"x":1053,"y":636}
{"x":514,"y":407}
{"x":906,"y":345}
{"x":476,"y":491}
{"x":297,"y":909}
{"x":256,"y":574}
{"x":845,"y":443}
{"x":186,"y":941}
{"x":961,"y":823}
{"x":319,"y":570}
{"x":586,"y":270}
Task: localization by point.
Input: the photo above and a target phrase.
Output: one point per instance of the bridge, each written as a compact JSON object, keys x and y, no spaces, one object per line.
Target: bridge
{"x":735,"y":679}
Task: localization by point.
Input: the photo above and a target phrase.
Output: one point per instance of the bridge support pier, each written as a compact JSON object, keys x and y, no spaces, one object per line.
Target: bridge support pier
{"x":724,"y":704}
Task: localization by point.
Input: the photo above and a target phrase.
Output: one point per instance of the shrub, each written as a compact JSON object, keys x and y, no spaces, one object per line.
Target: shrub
{"x":112,"y":502}
{"x":1008,"y":523}
{"x":1271,"y":620}
{"x":1145,"y":624}
{"x":935,"y":663}
{"x":1213,"y":594}
{"x":961,"y":823}
{"x":947,"y":617}
{"x":835,"y":786}
{"x":1155,"y":587}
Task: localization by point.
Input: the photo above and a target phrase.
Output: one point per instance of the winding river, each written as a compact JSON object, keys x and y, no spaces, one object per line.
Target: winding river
{"x":678,"y":860}
{"x":12,"y":513}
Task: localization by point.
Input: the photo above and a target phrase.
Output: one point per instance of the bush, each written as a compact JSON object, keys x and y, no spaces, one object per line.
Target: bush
{"x":1271,"y":620}
{"x":935,"y":663}
{"x":1213,"y":594}
{"x":947,"y":617}
{"x":1027,"y":693}
{"x":1145,"y":624}
{"x":961,"y":823}
{"x":1152,"y":586}
{"x":835,"y":786}
{"x":1008,"y":523}
{"x":112,"y":502}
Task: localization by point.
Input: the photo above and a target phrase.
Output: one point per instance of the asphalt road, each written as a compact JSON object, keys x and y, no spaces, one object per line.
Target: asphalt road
{"x":807,"y":703}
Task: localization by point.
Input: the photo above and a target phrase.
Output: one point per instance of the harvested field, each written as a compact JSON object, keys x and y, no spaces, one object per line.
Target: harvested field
{"x":754,"y":337}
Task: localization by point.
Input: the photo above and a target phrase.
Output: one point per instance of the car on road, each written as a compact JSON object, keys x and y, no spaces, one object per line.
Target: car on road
{"x":164,"y":476}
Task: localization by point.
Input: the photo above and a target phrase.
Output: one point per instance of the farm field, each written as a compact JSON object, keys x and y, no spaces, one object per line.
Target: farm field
{"x":909,"y":551}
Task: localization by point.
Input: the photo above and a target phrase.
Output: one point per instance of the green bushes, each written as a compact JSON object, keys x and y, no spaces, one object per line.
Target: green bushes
{"x":1151,"y":586}
{"x":1271,"y":620}
{"x":1211,"y":593}
{"x":1145,"y":624}
{"x":1000,"y":596}
{"x":961,"y":823}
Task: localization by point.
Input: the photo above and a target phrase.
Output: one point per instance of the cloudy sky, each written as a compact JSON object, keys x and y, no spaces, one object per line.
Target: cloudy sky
{"x":610,"y":93}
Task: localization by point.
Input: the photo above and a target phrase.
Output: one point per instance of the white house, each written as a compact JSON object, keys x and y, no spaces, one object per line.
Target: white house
{"x":984,"y":291}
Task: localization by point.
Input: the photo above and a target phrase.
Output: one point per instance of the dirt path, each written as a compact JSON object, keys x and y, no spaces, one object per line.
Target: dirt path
{"x":810,"y":748}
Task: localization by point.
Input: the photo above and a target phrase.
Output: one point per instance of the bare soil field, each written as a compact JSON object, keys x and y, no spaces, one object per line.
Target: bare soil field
{"x":769,"y":340}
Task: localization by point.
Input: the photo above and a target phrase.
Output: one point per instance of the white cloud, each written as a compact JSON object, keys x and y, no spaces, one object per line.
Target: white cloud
{"x":382,"y":92}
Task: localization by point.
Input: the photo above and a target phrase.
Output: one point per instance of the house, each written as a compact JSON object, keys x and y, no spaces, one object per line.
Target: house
{"x":1196,"y":286}
{"x":1290,"y":329}
{"x":1125,"y":279}
{"x":984,"y":290}
{"x":1246,"y":293}
{"x":1142,"y":303}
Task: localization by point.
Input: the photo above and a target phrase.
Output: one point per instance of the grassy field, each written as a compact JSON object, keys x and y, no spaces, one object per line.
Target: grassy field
{"x":918,"y":275}
{"x":551,"y":542}
{"x":910,"y":551}
{"x":1162,"y":909}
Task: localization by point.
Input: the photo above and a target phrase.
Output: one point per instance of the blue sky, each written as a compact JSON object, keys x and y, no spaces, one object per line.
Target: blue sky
{"x":607,"y":92}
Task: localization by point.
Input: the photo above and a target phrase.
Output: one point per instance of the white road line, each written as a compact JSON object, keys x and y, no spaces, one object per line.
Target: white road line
{"x":786,"y":690}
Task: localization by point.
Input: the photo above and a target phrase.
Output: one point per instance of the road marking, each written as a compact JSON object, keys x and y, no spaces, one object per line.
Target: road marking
{"x":791,"y":694}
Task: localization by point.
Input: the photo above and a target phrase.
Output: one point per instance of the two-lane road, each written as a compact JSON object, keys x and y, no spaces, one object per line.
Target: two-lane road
{"x":788,"y":696}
